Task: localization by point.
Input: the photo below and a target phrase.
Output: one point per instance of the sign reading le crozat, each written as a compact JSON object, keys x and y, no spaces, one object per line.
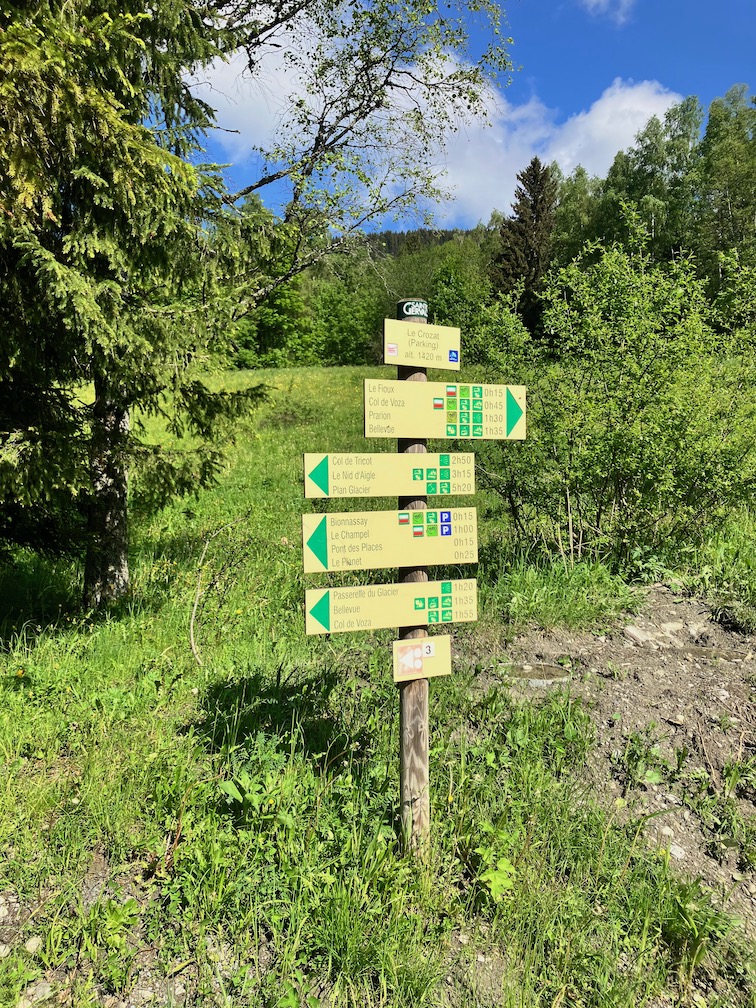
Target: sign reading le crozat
{"x":363,"y":540}
{"x":440,"y":410}
{"x":423,"y":345}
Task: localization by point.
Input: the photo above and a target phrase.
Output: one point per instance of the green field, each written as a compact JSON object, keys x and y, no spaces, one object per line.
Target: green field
{"x":199,"y":801}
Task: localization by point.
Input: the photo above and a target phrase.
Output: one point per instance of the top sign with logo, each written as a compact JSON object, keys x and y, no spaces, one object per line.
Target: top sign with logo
{"x":413,"y":308}
{"x":420,"y":344}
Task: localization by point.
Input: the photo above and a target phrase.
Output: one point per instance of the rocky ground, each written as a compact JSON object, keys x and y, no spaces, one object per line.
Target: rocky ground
{"x":672,"y":692}
{"x":673,"y":698}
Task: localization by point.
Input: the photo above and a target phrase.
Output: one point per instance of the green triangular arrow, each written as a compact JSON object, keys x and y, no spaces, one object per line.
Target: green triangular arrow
{"x":318,"y":542}
{"x":514,"y":412}
{"x":321,"y":611}
{"x":319,"y":475}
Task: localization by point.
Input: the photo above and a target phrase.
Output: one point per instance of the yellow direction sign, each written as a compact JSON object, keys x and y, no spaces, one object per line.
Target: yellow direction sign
{"x":363,"y":540}
{"x":421,"y":344}
{"x":384,"y":474}
{"x":376,"y":607}
{"x":421,"y":658}
{"x":440,"y":410}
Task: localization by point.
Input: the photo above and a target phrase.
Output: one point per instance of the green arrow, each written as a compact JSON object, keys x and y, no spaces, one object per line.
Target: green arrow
{"x":318,"y":542}
{"x":514,"y":412}
{"x":319,"y":475}
{"x":321,"y":611}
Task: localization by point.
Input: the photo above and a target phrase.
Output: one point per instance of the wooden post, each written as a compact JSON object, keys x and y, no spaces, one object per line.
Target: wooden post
{"x":413,"y":695}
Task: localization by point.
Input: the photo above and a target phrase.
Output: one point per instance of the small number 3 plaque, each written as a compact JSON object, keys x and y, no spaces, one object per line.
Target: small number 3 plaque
{"x":422,"y":658}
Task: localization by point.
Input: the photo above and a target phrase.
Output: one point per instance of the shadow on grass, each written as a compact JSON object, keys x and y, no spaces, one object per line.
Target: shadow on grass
{"x":40,"y":593}
{"x":292,"y":710}
{"x":36,"y":593}
{"x":294,"y":717}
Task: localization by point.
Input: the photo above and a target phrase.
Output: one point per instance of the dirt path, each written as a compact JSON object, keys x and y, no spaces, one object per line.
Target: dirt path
{"x":673,"y":697}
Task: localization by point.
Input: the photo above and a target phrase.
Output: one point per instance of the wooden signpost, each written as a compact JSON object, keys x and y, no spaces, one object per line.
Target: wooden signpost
{"x":414,"y":729}
{"x":410,"y":409}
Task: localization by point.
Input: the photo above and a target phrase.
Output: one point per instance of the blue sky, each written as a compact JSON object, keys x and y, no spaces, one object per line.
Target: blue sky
{"x":589,"y":74}
{"x":571,"y":51}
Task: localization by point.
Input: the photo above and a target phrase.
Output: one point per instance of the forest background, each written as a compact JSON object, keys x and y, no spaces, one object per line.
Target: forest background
{"x":130,"y":273}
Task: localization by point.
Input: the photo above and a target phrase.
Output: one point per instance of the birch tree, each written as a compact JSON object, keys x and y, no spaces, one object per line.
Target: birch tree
{"x":122,"y":260}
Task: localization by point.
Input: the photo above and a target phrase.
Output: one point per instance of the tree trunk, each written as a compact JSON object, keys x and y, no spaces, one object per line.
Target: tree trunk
{"x":106,"y":568}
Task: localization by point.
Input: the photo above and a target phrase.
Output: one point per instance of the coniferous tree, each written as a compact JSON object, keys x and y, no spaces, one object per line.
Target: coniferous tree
{"x":101,"y":227}
{"x":122,"y":265}
{"x":526,"y":240}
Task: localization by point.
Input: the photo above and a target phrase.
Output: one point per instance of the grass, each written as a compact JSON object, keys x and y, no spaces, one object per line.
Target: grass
{"x":225,"y":815}
{"x":725,"y":571}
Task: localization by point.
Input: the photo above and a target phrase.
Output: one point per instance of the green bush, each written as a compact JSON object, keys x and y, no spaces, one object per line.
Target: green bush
{"x":277,"y":333}
{"x":460,"y":288}
{"x":640,"y":423}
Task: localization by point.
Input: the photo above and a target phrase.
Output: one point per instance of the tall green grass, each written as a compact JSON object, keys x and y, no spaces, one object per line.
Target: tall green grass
{"x":240,"y":795}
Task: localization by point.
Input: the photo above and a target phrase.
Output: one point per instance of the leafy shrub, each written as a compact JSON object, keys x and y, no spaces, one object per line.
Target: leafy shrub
{"x":640,"y":425}
{"x":277,"y":334}
{"x":460,"y":288}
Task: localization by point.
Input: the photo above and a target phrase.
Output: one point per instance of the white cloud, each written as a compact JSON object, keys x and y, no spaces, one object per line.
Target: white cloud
{"x":248,"y":109}
{"x":592,"y":138}
{"x":617,"y":10}
{"x":482,"y":161}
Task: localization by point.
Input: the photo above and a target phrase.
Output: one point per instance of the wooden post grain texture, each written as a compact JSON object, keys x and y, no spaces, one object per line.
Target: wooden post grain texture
{"x":413,"y":695}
